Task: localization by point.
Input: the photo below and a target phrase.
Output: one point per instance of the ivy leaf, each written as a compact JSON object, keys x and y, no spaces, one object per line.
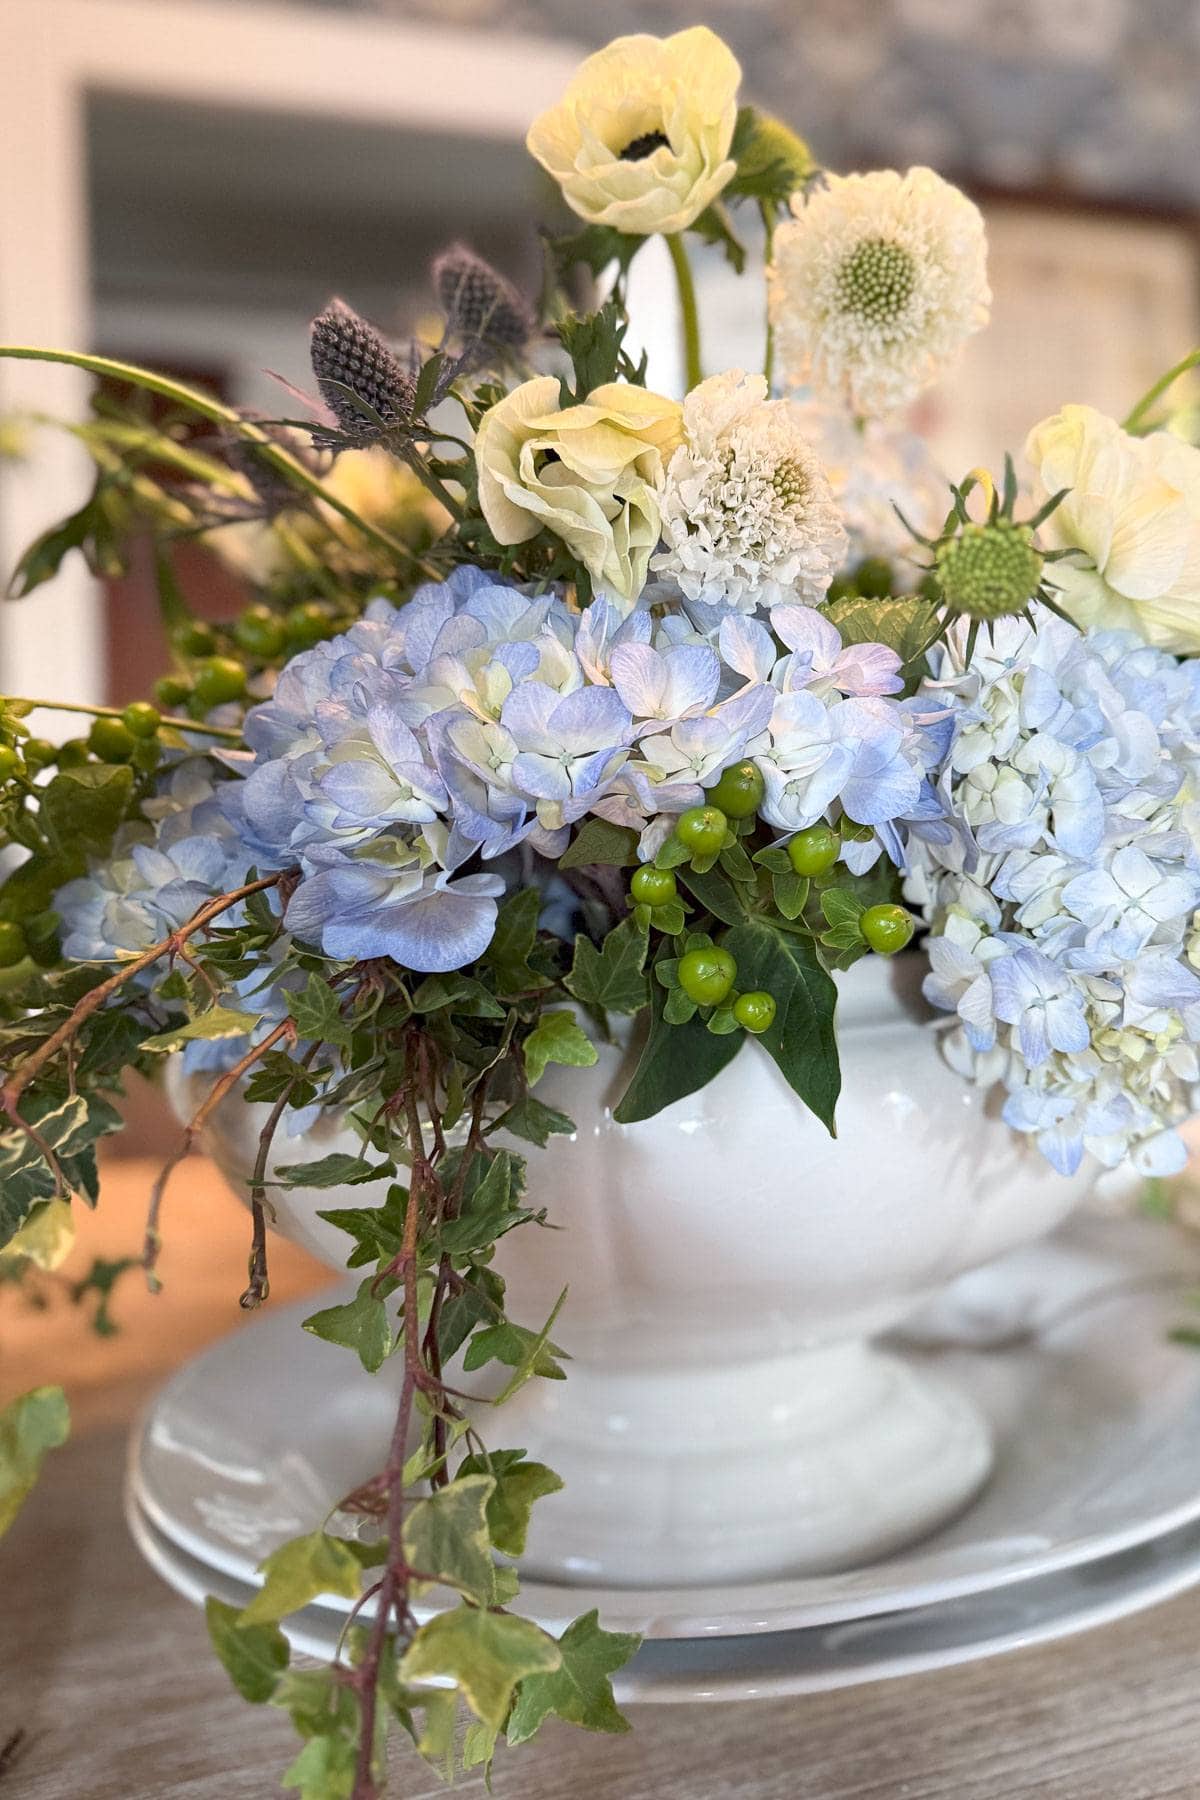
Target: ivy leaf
{"x":480,"y":1297}
{"x":529,"y":1118}
{"x":253,"y":1656}
{"x":216,"y":1022}
{"x":299,"y":1571}
{"x":612,"y":977}
{"x":447,"y":1536}
{"x":324,"y":1769}
{"x":526,"y":1352}
{"x":81,"y":808}
{"x":485,"y":1653}
{"x":801,"y":1037}
{"x":469,"y":998}
{"x":336,"y":1169}
{"x":377,"y":1230}
{"x":30,"y":1426}
{"x":513,"y":941}
{"x":600,"y":842}
{"x":489,"y":1205}
{"x":479,"y":1748}
{"x":557,"y":1038}
{"x":579,"y":1690}
{"x":517,"y":1484}
{"x":360,"y":1325}
{"x":317,"y":1012}
{"x":676,"y":1059}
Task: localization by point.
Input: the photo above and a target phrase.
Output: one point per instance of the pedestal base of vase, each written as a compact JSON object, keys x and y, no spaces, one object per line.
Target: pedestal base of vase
{"x":793,"y":1465}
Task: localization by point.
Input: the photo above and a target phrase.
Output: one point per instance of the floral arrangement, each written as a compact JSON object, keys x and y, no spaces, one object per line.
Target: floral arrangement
{"x":557,"y":699}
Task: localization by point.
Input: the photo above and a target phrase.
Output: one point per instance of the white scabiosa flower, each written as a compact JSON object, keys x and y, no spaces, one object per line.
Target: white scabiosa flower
{"x":748,"y":518}
{"x":875,"y":285}
{"x":1133,"y":510}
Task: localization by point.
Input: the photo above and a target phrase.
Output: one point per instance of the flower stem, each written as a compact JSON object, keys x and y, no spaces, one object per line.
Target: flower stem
{"x":768,"y":219}
{"x":114,"y":712}
{"x":219,"y":414}
{"x":688,"y":318}
{"x":1133,"y":422}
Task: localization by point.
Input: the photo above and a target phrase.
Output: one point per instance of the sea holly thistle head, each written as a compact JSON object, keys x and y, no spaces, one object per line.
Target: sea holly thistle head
{"x":484,"y":312}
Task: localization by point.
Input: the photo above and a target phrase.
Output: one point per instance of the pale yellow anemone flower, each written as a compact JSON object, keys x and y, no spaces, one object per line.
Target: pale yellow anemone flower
{"x":1134,"y":511}
{"x":591,"y":474}
{"x":640,"y":140}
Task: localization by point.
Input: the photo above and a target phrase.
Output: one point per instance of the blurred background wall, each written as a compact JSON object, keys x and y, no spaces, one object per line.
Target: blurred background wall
{"x":188,"y":181}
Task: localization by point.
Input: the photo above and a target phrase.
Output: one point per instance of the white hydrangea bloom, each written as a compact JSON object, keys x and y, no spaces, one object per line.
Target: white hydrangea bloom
{"x":748,"y":518}
{"x":876,"y":284}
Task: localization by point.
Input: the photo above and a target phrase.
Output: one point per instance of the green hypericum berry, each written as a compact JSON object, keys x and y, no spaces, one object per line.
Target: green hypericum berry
{"x":755,"y":1012}
{"x":707,"y":976}
{"x":219,"y":679}
{"x":10,"y":762}
{"x":653,"y":887}
{"x":111,"y":741}
{"x":12,"y":944}
{"x":194,"y":638}
{"x":873,"y":578}
{"x":73,"y":754}
{"x":887,"y":928}
{"x":702,"y":829}
{"x":172,"y":690}
{"x":814,"y":849}
{"x":259,"y":632}
{"x":740,"y":790}
{"x":988,"y":571}
{"x":142,"y":719}
{"x":39,"y":752}
{"x":307,"y":624}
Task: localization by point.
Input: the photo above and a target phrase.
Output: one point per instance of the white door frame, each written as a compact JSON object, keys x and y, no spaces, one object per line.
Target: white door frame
{"x":260,"y":57}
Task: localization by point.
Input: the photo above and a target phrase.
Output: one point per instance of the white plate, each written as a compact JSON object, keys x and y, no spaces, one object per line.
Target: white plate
{"x":775,"y":1665}
{"x":1096,"y":1415}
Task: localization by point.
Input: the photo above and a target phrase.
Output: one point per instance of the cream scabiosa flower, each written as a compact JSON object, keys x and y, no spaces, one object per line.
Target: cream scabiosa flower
{"x":875,"y":285}
{"x":748,"y":518}
{"x":589,"y":473}
{"x":640,"y":140}
{"x":1134,"y":511}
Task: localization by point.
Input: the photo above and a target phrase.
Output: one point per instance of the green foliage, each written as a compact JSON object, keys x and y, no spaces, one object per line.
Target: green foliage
{"x":595,"y":344}
{"x":579,"y":1690}
{"x":360,"y":1325}
{"x":336,"y":1169}
{"x":557,"y":1038}
{"x":447,"y":1537}
{"x":486,"y":1654}
{"x":612,"y":979}
{"x":595,"y":247}
{"x":529,"y":1118}
{"x":676,"y":1060}
{"x":253,"y":1656}
{"x":302,"y":1570}
{"x":801,"y":1038}
{"x":907,"y":624}
{"x":30,"y":1426}
{"x":598,"y":841}
{"x":214,"y":1023}
{"x":516,"y":1486}
{"x":772,"y":161}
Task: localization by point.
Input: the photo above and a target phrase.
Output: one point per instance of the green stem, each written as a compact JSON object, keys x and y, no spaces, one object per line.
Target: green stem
{"x":1134,"y":420}
{"x":688,"y":317}
{"x":114,"y":712}
{"x":768,"y":219}
{"x":207,"y":408}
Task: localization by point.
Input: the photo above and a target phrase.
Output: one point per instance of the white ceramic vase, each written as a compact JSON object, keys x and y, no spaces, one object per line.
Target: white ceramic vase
{"x":727,"y":1415}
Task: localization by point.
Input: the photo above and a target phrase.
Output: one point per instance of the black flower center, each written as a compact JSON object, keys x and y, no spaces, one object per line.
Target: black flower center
{"x":644,"y":146}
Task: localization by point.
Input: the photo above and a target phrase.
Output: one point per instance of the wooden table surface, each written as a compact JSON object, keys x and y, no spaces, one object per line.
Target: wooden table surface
{"x":109,"y":1674}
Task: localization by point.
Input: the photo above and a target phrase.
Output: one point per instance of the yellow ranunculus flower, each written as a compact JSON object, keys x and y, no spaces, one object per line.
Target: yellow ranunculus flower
{"x":590,"y":473}
{"x":640,"y":140}
{"x":1134,"y":511}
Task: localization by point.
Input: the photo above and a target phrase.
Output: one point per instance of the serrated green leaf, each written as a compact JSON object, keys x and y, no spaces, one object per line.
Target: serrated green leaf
{"x":324,"y":1769}
{"x":579,"y":1690}
{"x":485,"y":1653}
{"x":801,"y":1037}
{"x":530,"y":1119}
{"x":217,"y":1022}
{"x":303,"y":1569}
{"x":317,"y":1012}
{"x":446,"y":1537}
{"x":30,"y":1426}
{"x":557,"y":1038}
{"x":360,"y":1325}
{"x":338,"y":1168}
{"x":490,"y":1205}
{"x":253,"y":1656}
{"x":377,"y":1230}
{"x":598,"y":841}
{"x":517,"y":1485}
{"x":612,"y":977}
